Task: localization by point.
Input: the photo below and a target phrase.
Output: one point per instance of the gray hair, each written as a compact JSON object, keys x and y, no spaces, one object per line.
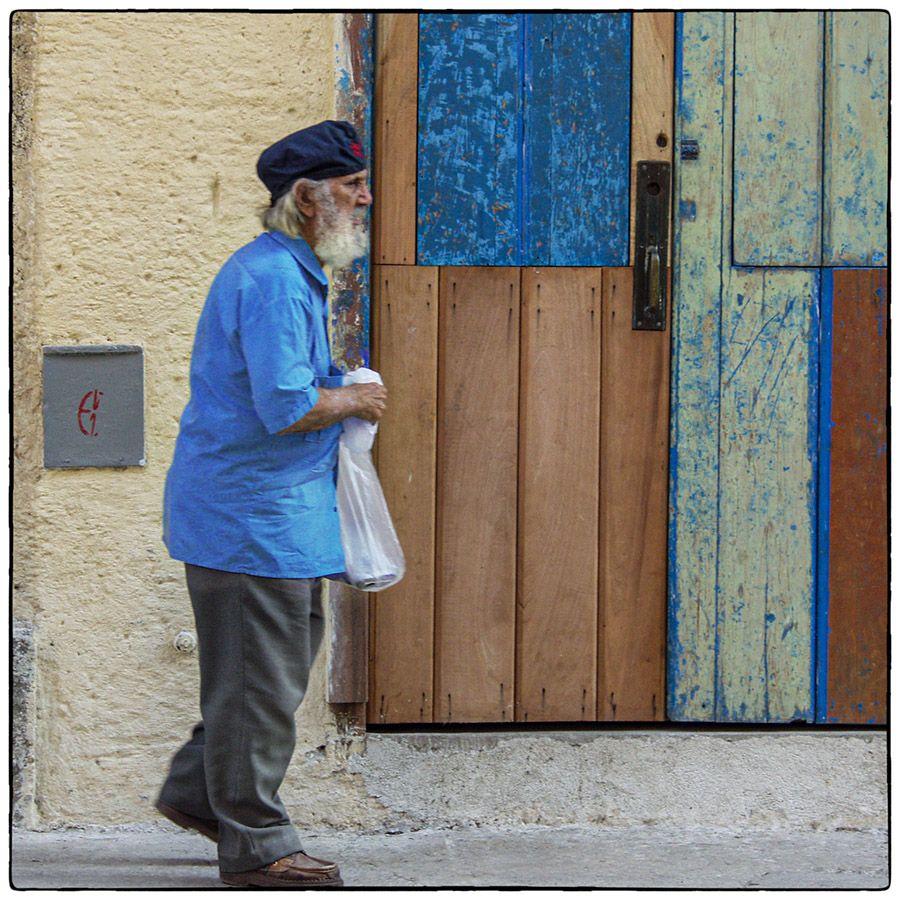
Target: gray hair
{"x":283,"y":214}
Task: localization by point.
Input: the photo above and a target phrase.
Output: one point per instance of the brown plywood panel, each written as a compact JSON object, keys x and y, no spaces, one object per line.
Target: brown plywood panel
{"x":476,"y":511}
{"x":406,"y":325}
{"x":633,"y":511}
{"x":652,"y":93}
{"x":858,"y":580}
{"x":558,"y":495}
{"x":395,"y":115}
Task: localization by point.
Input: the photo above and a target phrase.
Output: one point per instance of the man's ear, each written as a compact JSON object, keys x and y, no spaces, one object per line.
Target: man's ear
{"x":304,"y":199}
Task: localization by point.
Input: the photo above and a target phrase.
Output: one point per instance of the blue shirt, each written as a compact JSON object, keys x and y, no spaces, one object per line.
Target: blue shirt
{"x":239,"y":497}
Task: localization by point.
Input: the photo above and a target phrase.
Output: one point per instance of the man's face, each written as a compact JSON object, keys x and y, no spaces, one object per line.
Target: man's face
{"x":340,"y":218}
{"x":351,"y":193}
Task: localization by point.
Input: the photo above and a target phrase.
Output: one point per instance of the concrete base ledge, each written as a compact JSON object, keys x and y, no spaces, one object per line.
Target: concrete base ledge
{"x":807,"y":780}
{"x":529,"y":856}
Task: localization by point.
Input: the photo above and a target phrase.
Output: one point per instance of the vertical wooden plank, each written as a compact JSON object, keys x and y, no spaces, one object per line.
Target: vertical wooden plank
{"x":856,"y":638}
{"x":468,"y":154}
{"x":577,"y":125}
{"x":652,"y":90}
{"x":350,"y":347}
{"x":558,"y":495}
{"x":856,"y":138}
{"x":633,"y":504}
{"x":476,"y":505}
{"x":347,"y":669}
{"x":778,"y":138}
{"x":767,"y":496}
{"x":406,"y":308}
{"x":703,"y":105}
{"x":744,"y":420}
{"x":394,"y":175}
{"x":349,"y":295}
{"x":539,"y":133}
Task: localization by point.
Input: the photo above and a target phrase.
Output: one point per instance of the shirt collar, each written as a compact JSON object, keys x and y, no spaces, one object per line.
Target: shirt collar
{"x":302,"y":252}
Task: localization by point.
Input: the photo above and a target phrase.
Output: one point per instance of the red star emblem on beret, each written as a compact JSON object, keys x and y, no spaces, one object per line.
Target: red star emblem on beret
{"x":356,"y":149}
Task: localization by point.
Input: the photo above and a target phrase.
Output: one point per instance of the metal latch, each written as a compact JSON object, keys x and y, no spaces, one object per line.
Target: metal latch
{"x":690,"y":149}
{"x":651,"y":246}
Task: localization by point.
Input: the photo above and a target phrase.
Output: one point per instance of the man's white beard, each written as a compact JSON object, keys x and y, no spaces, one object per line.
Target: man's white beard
{"x":338,"y":240}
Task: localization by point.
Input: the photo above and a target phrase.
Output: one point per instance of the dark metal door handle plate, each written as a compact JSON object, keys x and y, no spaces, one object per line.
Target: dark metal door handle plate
{"x":651,"y":246}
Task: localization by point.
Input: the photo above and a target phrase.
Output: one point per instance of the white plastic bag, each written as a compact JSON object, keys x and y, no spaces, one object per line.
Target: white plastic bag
{"x":358,"y":433}
{"x":374,"y":558}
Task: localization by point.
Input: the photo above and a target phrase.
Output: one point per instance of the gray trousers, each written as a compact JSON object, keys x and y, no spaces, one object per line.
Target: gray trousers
{"x":257,"y":639}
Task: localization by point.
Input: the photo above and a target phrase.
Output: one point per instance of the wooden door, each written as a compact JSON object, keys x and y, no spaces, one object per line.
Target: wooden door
{"x":778,"y":532}
{"x":524,"y":454}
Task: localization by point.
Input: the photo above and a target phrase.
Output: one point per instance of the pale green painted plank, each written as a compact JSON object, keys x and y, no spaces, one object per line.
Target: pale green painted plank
{"x":778,"y":138}
{"x":856,"y":139}
{"x":703,"y":106}
{"x":766,"y":521}
{"x":743,"y":411}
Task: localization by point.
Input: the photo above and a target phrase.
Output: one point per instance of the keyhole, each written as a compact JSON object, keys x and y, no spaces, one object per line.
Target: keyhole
{"x":661,"y":140}
{"x":653,"y":188}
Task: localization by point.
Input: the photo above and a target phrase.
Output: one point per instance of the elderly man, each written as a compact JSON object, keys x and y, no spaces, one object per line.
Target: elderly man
{"x":250,"y":503}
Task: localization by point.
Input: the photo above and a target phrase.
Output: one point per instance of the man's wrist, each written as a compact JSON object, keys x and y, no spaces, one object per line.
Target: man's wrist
{"x":333,"y":406}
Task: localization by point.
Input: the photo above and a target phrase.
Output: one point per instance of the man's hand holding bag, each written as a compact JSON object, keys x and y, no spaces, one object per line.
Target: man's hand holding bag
{"x":374,"y":558}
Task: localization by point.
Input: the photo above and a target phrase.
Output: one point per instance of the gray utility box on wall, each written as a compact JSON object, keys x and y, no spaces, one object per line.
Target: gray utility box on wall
{"x":93,"y":406}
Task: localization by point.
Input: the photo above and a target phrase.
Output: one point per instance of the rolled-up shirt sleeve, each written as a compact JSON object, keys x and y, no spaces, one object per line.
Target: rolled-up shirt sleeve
{"x":277,"y":333}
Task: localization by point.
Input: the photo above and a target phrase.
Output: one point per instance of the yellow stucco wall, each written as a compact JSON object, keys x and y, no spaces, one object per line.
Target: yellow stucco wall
{"x":135,"y":151}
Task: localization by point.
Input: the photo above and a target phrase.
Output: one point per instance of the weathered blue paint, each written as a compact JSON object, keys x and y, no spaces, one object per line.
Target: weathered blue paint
{"x":537,"y":213}
{"x":856,"y":138}
{"x":527,"y":152}
{"x":824,"y":494}
{"x":676,"y":700}
{"x":350,"y":307}
{"x":578,"y":126}
{"x":524,"y":136}
{"x":778,"y":103}
{"x":767,"y":412}
{"x":815,"y":425}
{"x":687,"y":209}
{"x":468,"y":151}
{"x":696,"y":339}
{"x":811,"y":138}
{"x":744,"y":425}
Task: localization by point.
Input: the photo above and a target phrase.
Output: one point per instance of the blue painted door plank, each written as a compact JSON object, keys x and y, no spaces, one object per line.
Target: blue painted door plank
{"x":468,"y":147}
{"x":524,"y":137}
{"x":826,"y":308}
{"x":578,"y":131}
{"x":537,"y":212}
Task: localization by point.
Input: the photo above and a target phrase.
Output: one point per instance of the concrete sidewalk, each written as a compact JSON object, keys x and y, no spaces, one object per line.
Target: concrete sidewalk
{"x":528,"y":856}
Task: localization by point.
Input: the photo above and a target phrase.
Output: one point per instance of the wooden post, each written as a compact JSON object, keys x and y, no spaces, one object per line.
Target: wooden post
{"x":347,"y":679}
{"x":652,"y":97}
{"x":394,"y":160}
{"x":348,"y":674}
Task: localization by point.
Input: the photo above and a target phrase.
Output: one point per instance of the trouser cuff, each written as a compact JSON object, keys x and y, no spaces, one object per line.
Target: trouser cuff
{"x":243,"y":853}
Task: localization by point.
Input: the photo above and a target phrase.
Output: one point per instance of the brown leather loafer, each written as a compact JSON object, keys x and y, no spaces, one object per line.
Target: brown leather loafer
{"x":209,"y":828}
{"x":295,"y":871}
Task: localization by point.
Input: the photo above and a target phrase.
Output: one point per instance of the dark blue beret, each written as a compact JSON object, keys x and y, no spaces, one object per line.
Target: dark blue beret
{"x":321,"y":151}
